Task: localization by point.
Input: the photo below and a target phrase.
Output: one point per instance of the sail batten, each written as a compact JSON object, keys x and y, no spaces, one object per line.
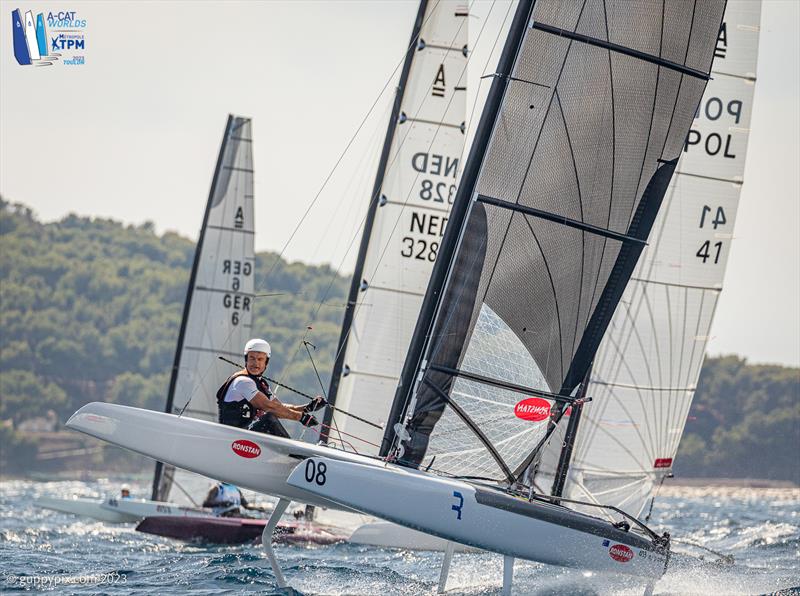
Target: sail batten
{"x":550,"y":216}
{"x":621,"y":49}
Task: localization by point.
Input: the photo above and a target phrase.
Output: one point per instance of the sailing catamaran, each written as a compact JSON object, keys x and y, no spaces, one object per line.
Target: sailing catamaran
{"x":578,"y":141}
{"x":217,"y":315}
{"x":216,"y":320}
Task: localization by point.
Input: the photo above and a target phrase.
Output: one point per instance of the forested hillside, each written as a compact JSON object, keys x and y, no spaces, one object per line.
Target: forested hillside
{"x":90,"y":310}
{"x":744,"y":422}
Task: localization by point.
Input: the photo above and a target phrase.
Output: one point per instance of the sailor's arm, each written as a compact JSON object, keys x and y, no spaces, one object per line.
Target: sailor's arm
{"x":243,"y":501}
{"x":211,"y":497}
{"x":275,"y":407}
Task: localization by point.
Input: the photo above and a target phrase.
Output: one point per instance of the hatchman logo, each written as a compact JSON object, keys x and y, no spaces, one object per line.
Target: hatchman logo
{"x":44,"y":40}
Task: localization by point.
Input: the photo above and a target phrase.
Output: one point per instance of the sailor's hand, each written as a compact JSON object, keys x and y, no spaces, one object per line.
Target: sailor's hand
{"x":315,"y":404}
{"x":308,"y":420}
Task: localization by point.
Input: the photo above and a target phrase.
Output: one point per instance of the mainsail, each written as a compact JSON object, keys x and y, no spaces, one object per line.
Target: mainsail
{"x":581,"y":134}
{"x":218,"y":311}
{"x":646,"y":370}
{"x":408,"y":212}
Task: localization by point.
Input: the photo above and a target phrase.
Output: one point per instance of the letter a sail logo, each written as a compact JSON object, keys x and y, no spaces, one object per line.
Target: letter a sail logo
{"x":30,"y":37}
{"x":41,"y":34}
{"x":21,"y":52}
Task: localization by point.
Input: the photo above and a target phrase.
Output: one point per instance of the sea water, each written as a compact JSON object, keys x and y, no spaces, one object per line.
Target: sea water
{"x":43,"y":550}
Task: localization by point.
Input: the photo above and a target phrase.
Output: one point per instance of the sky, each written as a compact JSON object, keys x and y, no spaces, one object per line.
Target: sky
{"x":133,"y":133}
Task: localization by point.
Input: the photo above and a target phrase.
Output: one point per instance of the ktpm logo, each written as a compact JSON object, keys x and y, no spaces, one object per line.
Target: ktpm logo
{"x":245,"y":448}
{"x":620,"y":553}
{"x":534,"y":409}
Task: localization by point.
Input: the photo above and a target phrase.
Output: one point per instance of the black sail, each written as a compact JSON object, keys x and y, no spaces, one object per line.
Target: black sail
{"x":576,"y":161}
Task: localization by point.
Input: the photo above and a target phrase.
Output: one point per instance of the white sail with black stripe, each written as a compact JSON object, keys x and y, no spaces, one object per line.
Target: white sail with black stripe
{"x":646,"y":371}
{"x":571,"y":162}
{"x":217,"y":314}
{"x":408,"y":212}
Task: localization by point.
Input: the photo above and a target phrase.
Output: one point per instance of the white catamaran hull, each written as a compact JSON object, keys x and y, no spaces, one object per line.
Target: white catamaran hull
{"x":247,"y":459}
{"x":94,"y":508}
{"x":115,"y":510}
{"x":482,"y":518}
{"x":413,"y":499}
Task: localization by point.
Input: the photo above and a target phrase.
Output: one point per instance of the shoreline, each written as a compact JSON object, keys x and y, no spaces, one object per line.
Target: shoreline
{"x":728,"y":483}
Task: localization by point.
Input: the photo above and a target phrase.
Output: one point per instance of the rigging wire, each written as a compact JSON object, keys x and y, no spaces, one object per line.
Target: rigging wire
{"x":335,"y":274}
{"x":340,"y":158}
{"x":411,"y":186}
{"x":279,"y":257}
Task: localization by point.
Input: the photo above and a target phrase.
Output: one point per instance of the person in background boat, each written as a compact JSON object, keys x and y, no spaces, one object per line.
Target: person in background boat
{"x":124,"y":492}
{"x":245,"y":400}
{"x":226,"y":500}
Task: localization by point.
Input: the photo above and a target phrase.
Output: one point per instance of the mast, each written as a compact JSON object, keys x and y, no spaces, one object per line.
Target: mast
{"x":570,"y":436}
{"x":355,"y":283}
{"x":158,"y":491}
{"x":457,"y":216}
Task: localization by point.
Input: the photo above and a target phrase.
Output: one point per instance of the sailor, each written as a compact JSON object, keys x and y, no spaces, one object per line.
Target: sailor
{"x":226,"y":500}
{"x":124,"y":492}
{"x":246,"y":394}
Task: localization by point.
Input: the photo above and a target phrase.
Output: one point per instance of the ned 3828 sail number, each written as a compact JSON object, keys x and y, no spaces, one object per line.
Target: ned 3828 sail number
{"x":431,"y":227}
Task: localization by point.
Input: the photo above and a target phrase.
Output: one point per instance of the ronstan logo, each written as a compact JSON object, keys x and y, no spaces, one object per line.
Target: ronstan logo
{"x":533,"y":409}
{"x":245,"y":448}
{"x":620,"y":552}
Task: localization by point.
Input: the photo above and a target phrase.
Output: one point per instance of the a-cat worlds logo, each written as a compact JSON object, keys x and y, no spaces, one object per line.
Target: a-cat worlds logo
{"x":48,"y":38}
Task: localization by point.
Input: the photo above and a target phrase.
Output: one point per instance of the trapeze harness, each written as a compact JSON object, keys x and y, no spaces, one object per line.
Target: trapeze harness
{"x":242,"y":415}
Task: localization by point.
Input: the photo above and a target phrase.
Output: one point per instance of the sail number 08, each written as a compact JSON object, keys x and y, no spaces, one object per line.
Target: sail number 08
{"x":315,"y":472}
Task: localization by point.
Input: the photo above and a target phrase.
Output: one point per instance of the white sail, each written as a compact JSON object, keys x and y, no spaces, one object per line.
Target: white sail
{"x":30,"y":36}
{"x":218,"y":310}
{"x":645,"y":373}
{"x":417,"y":191}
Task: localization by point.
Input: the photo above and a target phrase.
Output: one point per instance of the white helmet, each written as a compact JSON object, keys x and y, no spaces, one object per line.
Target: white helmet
{"x":257,"y":345}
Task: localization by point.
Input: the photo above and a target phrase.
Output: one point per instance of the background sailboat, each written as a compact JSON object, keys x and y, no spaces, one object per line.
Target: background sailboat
{"x":409,"y":205}
{"x":217,"y":315}
{"x":646,"y":370}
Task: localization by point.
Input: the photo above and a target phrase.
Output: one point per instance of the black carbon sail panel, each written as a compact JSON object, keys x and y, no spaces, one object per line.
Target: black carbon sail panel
{"x":582,"y":147}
